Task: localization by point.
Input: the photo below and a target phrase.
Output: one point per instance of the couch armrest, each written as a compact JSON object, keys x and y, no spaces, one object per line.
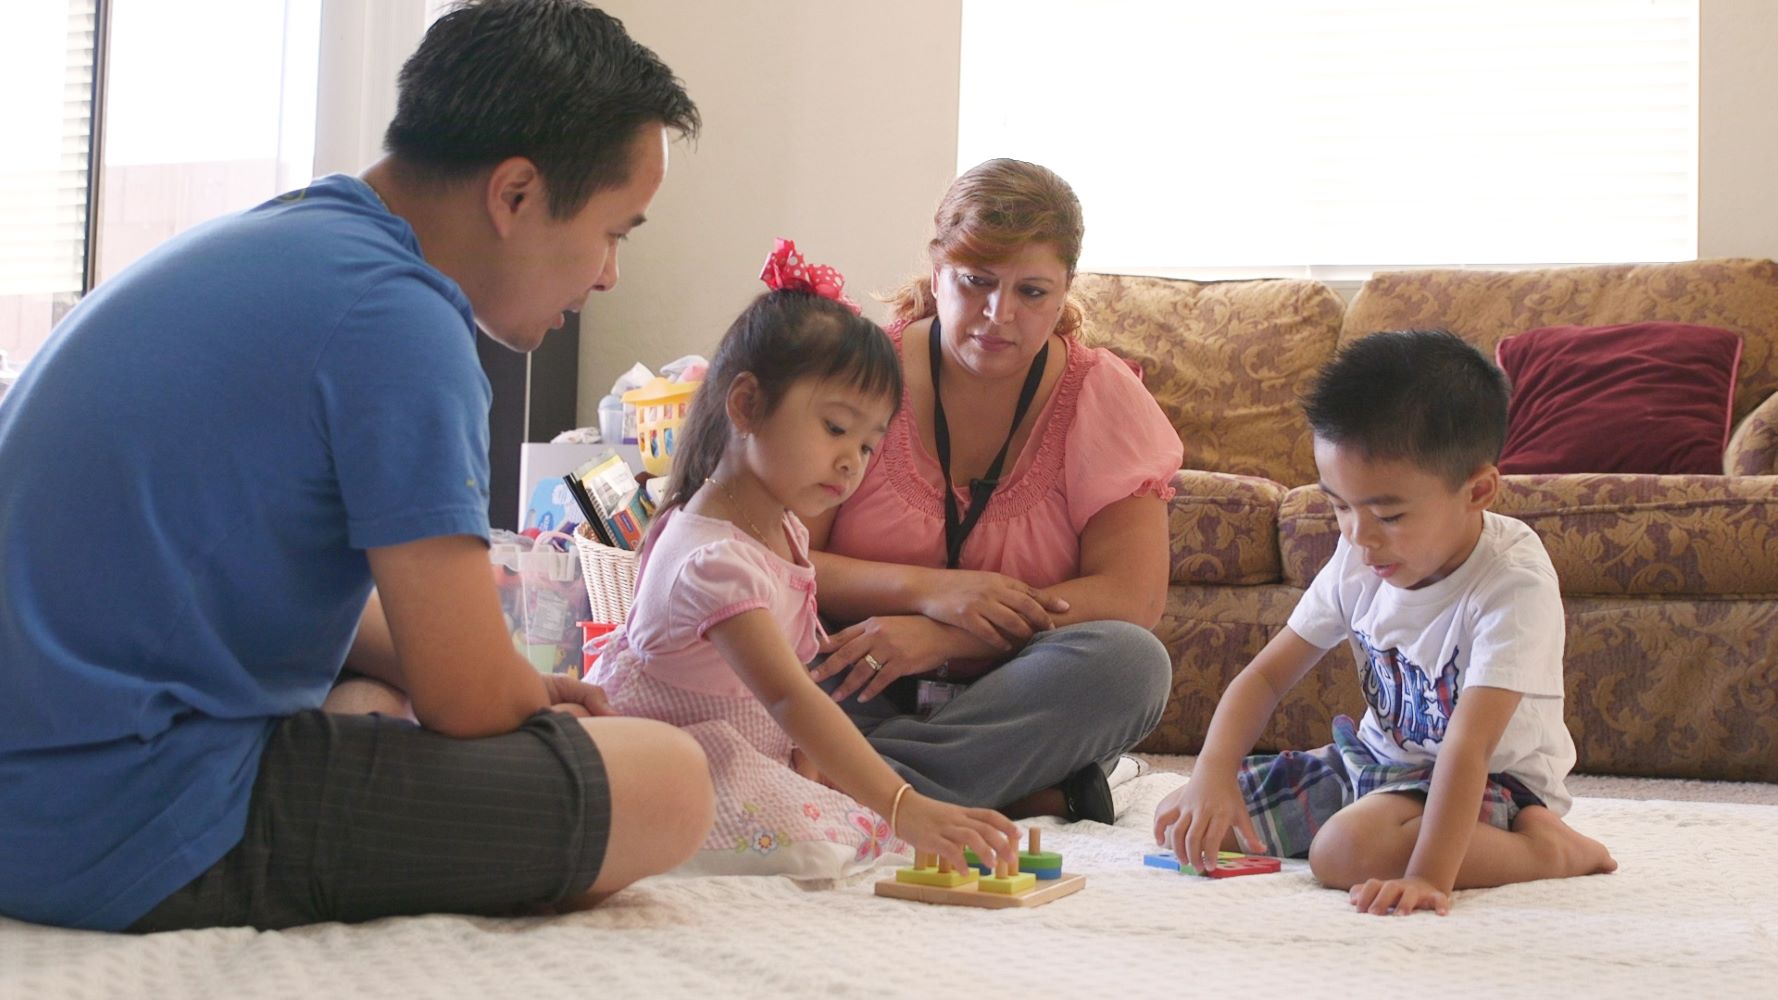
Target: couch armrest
{"x":1753,"y":450}
{"x":1223,"y":528}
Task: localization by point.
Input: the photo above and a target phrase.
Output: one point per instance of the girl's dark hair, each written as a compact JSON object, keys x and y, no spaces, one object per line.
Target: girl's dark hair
{"x":558,"y":82}
{"x":782,"y":338}
{"x":1425,"y":397}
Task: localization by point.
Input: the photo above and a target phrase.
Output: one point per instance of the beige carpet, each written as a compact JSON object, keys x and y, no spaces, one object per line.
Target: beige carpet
{"x":1693,"y":911}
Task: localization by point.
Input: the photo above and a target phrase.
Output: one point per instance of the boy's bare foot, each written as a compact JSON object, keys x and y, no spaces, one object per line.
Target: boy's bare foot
{"x":1569,"y":852}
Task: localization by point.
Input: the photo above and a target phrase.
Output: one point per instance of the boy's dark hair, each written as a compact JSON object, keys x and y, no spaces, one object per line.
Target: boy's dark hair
{"x":782,"y":338}
{"x":1419,"y":396}
{"x":558,"y":82}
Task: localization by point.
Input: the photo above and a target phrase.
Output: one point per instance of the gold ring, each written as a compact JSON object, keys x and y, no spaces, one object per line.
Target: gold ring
{"x":875,"y":665}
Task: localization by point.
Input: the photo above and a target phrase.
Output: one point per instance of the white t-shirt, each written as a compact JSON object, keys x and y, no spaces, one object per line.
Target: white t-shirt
{"x":1496,"y":621}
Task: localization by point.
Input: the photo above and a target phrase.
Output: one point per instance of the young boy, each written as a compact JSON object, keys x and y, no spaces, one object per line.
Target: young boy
{"x":1455,"y":619}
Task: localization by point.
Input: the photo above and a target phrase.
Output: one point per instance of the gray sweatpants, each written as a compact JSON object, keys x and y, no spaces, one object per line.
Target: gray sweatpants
{"x":1075,"y":695}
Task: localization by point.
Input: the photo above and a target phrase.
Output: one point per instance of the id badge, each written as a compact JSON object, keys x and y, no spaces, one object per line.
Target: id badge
{"x":929,"y":696}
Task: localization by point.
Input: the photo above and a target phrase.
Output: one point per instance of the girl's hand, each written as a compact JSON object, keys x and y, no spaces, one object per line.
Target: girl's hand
{"x":1193,"y":820}
{"x":993,"y":607}
{"x":575,"y":697}
{"x":1401,"y":896}
{"x":946,"y":829}
{"x":880,"y":650}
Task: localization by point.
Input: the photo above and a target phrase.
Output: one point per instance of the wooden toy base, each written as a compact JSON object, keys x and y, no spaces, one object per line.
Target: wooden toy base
{"x":969,"y":895}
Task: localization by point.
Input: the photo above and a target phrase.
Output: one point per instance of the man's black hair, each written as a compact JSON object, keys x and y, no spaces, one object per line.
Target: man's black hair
{"x":558,"y":82}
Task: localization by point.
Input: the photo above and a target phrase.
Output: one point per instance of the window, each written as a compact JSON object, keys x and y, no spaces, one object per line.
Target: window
{"x":207,"y":107}
{"x":1324,"y":139}
{"x":46,"y":73}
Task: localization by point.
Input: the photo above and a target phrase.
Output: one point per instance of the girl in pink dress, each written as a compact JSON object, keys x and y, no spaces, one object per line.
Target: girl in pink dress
{"x":723,"y":624}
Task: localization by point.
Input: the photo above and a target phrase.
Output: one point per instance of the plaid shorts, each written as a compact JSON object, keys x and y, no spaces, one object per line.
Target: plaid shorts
{"x":1291,"y":794}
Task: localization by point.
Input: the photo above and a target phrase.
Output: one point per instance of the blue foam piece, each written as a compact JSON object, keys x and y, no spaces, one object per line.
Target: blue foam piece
{"x":1163,"y":859}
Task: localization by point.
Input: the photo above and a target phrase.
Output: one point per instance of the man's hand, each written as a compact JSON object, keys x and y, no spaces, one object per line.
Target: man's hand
{"x":575,"y":697}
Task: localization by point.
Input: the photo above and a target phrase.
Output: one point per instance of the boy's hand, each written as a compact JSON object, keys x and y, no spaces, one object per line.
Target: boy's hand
{"x":1193,"y":820}
{"x":1400,"y":896}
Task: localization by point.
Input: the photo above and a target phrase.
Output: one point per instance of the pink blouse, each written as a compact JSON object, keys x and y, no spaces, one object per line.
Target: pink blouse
{"x":1100,"y":438}
{"x":698,"y":572}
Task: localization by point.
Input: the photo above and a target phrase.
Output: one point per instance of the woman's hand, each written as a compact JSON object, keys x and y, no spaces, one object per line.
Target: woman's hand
{"x":993,"y":607}
{"x":946,"y":829}
{"x":575,"y":697}
{"x":880,"y":650}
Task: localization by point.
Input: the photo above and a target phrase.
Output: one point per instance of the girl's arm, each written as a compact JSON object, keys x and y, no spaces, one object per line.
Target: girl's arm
{"x":758,"y":653}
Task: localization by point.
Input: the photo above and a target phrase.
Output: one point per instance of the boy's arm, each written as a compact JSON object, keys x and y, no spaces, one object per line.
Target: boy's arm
{"x":1194,"y":819}
{"x":1459,"y":777}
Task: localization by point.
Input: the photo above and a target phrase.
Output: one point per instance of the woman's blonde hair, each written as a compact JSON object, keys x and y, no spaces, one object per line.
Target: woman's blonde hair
{"x":990,"y":214}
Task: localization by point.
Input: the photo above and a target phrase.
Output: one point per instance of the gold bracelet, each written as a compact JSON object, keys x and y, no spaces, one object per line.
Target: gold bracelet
{"x":895,"y":810}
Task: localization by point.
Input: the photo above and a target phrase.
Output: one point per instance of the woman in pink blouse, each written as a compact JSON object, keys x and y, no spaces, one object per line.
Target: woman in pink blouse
{"x":997,"y":649}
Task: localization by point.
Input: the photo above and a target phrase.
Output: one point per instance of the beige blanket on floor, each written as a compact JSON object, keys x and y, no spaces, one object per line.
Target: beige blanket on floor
{"x":1693,"y":912}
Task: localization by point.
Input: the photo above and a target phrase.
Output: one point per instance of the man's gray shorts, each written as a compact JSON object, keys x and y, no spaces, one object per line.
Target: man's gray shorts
{"x":355,"y":817}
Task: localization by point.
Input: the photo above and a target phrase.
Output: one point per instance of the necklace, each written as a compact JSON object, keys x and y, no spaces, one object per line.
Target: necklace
{"x":736,"y":505}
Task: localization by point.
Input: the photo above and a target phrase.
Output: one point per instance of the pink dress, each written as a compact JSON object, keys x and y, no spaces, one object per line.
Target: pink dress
{"x":1101,"y":438}
{"x":695,"y":573}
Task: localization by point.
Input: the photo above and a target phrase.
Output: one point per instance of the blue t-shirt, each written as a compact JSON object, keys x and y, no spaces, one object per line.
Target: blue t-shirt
{"x":190,"y":473}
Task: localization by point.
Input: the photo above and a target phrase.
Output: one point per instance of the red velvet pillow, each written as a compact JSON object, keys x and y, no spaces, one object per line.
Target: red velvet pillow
{"x":1643,"y":397}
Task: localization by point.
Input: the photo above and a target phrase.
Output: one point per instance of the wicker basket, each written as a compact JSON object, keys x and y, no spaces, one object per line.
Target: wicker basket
{"x":610,"y":576}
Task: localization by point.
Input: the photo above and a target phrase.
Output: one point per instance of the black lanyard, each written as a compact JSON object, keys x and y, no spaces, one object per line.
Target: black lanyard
{"x":957,"y":528}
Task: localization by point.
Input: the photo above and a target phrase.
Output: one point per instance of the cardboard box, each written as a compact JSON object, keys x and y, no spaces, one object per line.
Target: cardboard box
{"x":543,"y":498}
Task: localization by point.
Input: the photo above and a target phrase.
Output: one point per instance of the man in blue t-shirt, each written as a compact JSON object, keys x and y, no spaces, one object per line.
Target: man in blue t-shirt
{"x":224,"y":449}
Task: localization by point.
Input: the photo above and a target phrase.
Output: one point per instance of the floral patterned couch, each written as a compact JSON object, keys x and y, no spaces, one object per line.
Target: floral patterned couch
{"x":1670,"y":582}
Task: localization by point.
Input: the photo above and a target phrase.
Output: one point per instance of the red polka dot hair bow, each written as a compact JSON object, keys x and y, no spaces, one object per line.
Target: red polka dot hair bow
{"x":787,"y":270}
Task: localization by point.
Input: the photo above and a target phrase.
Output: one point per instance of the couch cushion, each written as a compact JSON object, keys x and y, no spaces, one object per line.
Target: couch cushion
{"x":1227,"y":361}
{"x":1224,"y":528}
{"x":1484,"y":307}
{"x":1606,"y":534}
{"x":1638,"y":397}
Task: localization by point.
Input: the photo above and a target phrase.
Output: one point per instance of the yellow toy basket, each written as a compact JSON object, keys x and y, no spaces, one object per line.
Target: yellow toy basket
{"x":660,"y":409}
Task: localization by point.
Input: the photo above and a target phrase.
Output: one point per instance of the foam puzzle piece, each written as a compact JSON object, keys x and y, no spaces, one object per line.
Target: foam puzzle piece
{"x":1229,"y":864}
{"x":934,"y":877}
{"x":1009,"y":884}
{"x":1046,"y":865}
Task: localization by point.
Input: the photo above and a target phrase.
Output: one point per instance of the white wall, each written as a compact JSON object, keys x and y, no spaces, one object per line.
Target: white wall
{"x":832,"y":123}
{"x":1738,"y":129}
{"x":363,"y":45}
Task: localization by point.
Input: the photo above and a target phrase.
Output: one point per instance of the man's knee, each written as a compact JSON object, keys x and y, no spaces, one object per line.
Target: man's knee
{"x":662,"y":799}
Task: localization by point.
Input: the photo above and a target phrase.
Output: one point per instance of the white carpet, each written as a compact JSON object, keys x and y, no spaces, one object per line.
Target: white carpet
{"x":1693,"y":910}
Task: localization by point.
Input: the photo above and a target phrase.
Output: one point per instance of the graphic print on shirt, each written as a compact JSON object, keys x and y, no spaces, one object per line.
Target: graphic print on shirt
{"x":1412,"y":705}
